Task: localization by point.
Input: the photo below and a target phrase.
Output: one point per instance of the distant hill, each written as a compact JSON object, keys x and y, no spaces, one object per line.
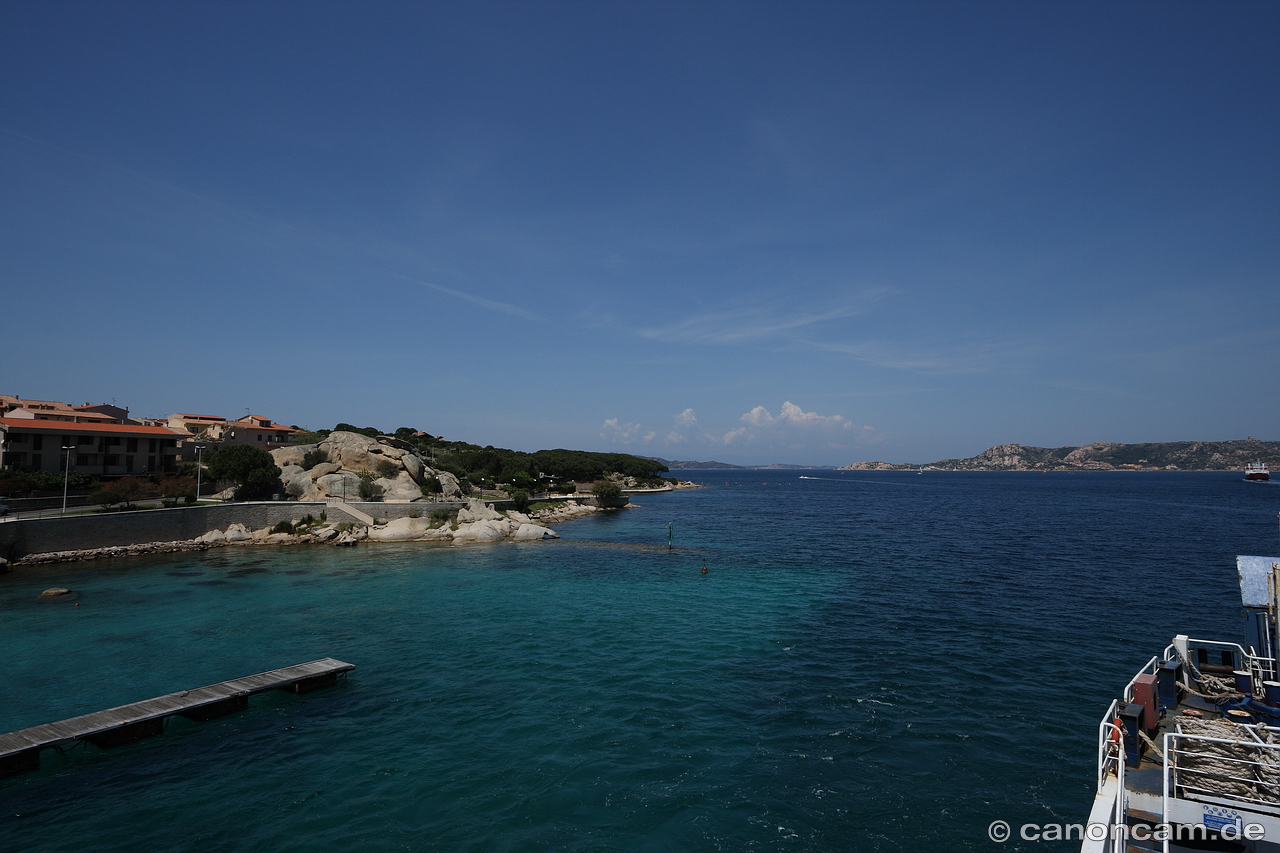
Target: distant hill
{"x":1104,"y":456}
{"x":676,"y":466}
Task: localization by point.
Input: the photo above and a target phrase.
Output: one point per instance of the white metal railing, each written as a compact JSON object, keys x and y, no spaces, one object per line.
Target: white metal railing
{"x":1111,"y":763}
{"x":1257,"y":664}
{"x":1262,"y":772}
{"x":1248,"y":763}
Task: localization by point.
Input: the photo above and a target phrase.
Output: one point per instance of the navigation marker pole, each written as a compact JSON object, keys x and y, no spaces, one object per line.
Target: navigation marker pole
{"x":670,"y":526}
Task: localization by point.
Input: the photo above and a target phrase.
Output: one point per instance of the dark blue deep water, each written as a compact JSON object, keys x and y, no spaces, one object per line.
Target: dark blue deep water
{"x":874,"y":661}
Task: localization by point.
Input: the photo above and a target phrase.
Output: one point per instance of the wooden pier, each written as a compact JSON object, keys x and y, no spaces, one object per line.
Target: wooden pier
{"x":20,"y":750}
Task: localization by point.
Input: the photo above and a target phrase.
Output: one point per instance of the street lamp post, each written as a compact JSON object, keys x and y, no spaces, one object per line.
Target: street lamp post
{"x":66,"y":477}
{"x":199,"y":450}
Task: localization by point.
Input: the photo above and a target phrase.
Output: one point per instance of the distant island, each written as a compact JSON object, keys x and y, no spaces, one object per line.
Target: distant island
{"x":1103,"y":456}
{"x":676,"y":465}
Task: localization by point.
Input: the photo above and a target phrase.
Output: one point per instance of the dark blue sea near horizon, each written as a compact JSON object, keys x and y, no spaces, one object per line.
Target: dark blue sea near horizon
{"x":874,"y":661}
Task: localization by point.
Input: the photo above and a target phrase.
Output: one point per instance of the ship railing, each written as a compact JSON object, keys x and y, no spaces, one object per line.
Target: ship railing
{"x":1245,"y":770}
{"x":1151,"y":667}
{"x":1263,"y":668}
{"x":1110,"y":763}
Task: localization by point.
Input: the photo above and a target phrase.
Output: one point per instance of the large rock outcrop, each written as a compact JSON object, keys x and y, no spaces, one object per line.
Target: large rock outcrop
{"x":400,"y":473}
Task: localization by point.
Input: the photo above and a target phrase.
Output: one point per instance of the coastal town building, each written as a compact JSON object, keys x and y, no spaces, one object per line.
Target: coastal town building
{"x":53,"y":410}
{"x":193,"y":424}
{"x":250,"y":429}
{"x":253,"y":429}
{"x":97,"y":449}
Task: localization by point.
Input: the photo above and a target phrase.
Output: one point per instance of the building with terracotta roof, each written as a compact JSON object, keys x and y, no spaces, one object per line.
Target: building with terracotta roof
{"x":53,"y":410}
{"x":194,"y":424}
{"x":97,"y":449}
{"x":252,"y":429}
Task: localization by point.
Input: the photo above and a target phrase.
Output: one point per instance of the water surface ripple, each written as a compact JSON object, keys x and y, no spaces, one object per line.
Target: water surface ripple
{"x":873,"y":661}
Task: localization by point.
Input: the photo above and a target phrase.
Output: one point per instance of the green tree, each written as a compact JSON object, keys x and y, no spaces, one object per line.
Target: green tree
{"x":173,"y":488}
{"x":130,"y":489}
{"x":520,"y":500}
{"x":372,"y":432}
{"x":605,"y":489}
{"x":105,"y":498}
{"x":251,"y":468}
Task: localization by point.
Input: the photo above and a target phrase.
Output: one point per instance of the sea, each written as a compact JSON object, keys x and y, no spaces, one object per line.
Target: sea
{"x":872,"y":661}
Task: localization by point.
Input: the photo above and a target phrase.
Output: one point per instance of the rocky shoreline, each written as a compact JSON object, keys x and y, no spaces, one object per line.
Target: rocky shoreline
{"x":476,"y":522}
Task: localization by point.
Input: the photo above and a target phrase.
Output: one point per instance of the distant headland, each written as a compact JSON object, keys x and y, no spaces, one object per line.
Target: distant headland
{"x":1103,"y":456}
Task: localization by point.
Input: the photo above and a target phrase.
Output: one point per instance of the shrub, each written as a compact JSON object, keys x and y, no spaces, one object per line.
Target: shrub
{"x":386,"y":468}
{"x":520,"y":500}
{"x":312,"y":458}
{"x":282,"y":527}
{"x":431,"y":486}
{"x":191,"y":500}
{"x":606,"y":489}
{"x":105,"y":497}
{"x":440,"y":514}
{"x":567,"y":488}
{"x":369,"y":490}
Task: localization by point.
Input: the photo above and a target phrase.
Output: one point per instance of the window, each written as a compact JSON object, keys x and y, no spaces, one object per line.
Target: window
{"x":151,"y":445}
{"x":36,"y":459}
{"x":128,"y":463}
{"x":110,"y":459}
{"x":37,"y":443}
{"x":131,"y":445}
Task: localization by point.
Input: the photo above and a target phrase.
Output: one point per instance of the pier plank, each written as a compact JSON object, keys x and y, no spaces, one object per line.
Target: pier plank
{"x":185,"y":701}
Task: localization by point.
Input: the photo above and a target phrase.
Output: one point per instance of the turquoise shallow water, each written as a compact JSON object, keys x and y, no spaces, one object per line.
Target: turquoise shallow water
{"x":874,"y":661}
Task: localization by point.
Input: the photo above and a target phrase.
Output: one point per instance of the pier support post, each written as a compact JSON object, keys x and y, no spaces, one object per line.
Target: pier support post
{"x":218,"y":709}
{"x":20,"y":762}
{"x":315,"y":682}
{"x":128,"y":734}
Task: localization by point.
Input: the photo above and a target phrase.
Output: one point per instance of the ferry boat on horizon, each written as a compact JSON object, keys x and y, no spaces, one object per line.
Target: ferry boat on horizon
{"x":1189,"y":755}
{"x":1257,"y":471}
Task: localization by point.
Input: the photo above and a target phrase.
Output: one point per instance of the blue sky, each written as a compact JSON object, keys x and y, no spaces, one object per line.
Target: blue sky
{"x":812,"y":233}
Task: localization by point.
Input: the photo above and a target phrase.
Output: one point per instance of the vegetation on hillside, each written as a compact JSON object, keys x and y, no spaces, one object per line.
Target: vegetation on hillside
{"x":496,"y":465}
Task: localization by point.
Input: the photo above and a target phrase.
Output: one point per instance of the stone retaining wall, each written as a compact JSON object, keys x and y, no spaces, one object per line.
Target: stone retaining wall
{"x":74,"y":533}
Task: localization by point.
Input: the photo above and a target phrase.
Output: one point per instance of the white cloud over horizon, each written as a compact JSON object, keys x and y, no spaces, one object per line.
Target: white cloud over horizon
{"x":792,"y":429}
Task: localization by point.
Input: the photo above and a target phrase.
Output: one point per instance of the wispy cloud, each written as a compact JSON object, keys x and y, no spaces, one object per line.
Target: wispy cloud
{"x":483,"y":302}
{"x":753,"y":322}
{"x":942,"y":358}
